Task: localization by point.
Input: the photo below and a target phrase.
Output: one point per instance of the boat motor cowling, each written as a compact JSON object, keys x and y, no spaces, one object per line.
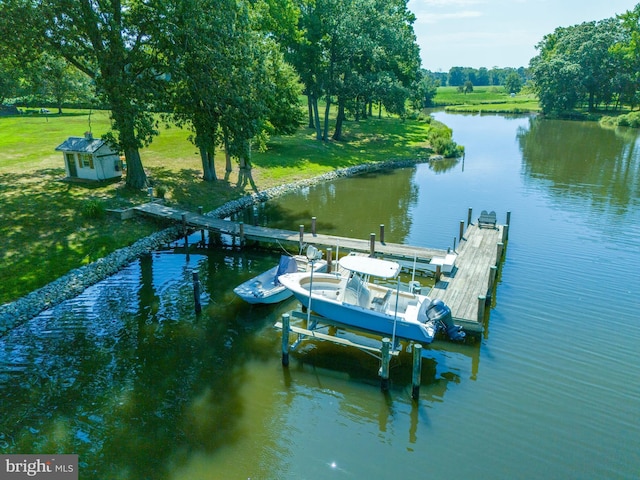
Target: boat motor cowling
{"x":439,"y":313}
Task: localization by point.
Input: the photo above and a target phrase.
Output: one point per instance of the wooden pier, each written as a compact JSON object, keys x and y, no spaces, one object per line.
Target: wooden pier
{"x":466,"y":290}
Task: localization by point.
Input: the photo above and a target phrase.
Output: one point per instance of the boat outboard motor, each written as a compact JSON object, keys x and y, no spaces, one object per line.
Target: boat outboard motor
{"x":287,"y":265}
{"x":440,"y":314}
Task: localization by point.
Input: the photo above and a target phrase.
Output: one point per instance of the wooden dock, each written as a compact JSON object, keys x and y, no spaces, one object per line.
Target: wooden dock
{"x":466,"y":290}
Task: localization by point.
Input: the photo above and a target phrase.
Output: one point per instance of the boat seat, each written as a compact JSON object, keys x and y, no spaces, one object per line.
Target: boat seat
{"x":379,"y":303}
{"x":356,"y":293}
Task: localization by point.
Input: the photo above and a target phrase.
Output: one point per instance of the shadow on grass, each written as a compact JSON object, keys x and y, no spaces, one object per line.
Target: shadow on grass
{"x":46,"y":233}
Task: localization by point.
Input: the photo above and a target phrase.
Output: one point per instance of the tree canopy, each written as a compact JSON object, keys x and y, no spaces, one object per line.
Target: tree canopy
{"x":593,"y":64}
{"x":229,"y":70}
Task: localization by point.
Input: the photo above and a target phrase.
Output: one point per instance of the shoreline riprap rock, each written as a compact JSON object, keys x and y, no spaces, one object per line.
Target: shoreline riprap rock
{"x":76,"y":281}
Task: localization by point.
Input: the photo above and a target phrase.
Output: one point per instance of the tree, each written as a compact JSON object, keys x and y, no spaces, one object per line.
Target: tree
{"x":9,"y":78}
{"x":457,"y":76}
{"x":108,"y":41}
{"x":424,"y":91}
{"x":576,"y":64}
{"x":626,"y":51}
{"x":513,"y":83}
{"x":207,"y":58}
{"x":342,"y":59}
{"x":52,"y":80}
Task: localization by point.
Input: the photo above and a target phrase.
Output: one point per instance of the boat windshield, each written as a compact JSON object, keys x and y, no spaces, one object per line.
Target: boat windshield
{"x":370,"y":266}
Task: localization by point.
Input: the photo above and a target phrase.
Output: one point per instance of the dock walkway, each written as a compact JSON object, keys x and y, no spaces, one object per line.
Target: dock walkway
{"x":465,"y":290}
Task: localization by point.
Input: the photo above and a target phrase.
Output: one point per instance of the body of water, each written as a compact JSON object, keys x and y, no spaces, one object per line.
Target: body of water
{"x":128,"y":377}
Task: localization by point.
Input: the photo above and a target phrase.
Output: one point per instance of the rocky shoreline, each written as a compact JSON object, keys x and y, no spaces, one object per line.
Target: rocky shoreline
{"x":72,"y":284}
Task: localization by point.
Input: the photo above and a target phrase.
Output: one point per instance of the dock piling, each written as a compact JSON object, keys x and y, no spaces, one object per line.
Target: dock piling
{"x":493,"y":273}
{"x":438,"y":273}
{"x":386,"y":359}
{"x":461,"y":230}
{"x":417,"y":370}
{"x":196,"y":292}
{"x":329,"y":259}
{"x":202,"y":236}
{"x":469,"y":214}
{"x":301,"y":231}
{"x":185,"y":233}
{"x":372,"y":244}
{"x":482,"y":302}
{"x":313,"y":226}
{"x":382,"y":233}
{"x":285,"y":339}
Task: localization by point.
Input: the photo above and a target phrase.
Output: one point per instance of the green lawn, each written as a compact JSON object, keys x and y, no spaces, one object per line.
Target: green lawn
{"x":486,"y":99}
{"x":45,"y":231}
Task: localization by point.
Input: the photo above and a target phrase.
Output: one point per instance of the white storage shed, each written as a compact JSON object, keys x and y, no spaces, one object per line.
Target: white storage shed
{"x":89,"y":158}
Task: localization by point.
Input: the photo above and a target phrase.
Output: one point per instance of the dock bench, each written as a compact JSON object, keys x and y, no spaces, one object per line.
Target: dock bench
{"x":487,"y":220}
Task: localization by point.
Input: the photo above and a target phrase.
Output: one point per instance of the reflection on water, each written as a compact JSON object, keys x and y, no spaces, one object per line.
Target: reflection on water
{"x":583,"y":159}
{"x":130,"y":378}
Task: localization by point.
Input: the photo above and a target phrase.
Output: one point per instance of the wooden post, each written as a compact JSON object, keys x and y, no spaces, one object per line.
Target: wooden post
{"x":285,"y":339}
{"x":384,"y":368}
{"x":196,"y":292}
{"x":493,"y":273}
{"x":301,"y":236}
{"x":454,"y":244}
{"x":185,"y":233}
{"x":469,"y":216}
{"x":505,"y":233}
{"x":482,"y":302}
{"x":499,"y":250}
{"x":438,"y":272}
{"x":372,"y":244}
{"x":200,"y":211}
{"x":313,"y":226}
{"x":417,"y":370}
{"x":382,"y":233}
{"x":461,"y":229}
{"x":329,"y":259}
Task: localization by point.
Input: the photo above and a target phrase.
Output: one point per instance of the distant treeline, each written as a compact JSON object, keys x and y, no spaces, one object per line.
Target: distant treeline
{"x":479,"y":77}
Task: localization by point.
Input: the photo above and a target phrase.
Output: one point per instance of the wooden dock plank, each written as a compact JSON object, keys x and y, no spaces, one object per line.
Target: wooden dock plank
{"x":264,"y":234}
{"x":471,"y":277}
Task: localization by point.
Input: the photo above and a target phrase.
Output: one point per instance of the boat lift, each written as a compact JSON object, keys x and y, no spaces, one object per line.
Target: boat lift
{"x":384,"y":352}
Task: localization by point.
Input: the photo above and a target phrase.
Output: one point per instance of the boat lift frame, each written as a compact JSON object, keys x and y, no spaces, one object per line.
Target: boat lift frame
{"x":383,"y":353}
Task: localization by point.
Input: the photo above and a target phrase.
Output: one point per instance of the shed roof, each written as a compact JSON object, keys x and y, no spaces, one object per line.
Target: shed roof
{"x":81,"y":144}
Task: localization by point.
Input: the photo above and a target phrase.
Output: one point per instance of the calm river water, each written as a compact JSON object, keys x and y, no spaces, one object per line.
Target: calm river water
{"x":128,"y":377}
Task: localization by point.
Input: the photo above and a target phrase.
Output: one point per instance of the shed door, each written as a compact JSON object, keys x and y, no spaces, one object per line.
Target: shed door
{"x":71,"y":164}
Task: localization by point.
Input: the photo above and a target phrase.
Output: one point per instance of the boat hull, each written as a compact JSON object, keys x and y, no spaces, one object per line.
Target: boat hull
{"x":263,"y":289}
{"x":354,"y":316}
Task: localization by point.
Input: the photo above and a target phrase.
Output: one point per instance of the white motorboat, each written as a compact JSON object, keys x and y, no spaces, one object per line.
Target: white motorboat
{"x":266,"y":288}
{"x":352,"y":300}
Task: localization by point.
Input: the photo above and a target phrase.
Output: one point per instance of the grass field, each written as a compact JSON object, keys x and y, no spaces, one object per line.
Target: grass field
{"x":49,"y":227}
{"x":486,"y":99}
